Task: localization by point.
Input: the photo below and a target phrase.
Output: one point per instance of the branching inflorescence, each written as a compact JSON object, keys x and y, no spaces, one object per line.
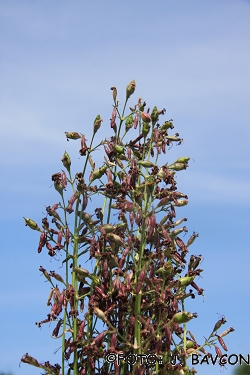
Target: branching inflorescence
{"x":132,"y":301}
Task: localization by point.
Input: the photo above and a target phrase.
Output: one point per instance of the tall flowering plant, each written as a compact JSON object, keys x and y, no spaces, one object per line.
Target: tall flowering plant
{"x":127,"y":314}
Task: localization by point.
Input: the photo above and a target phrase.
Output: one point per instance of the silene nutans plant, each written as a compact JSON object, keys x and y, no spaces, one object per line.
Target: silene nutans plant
{"x":132,"y":303}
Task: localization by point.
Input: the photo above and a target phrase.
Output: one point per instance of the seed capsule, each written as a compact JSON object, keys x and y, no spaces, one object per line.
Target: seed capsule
{"x":167,"y":125}
{"x":31,"y":361}
{"x":182,"y":159}
{"x":98,"y":173}
{"x":181,"y":202}
{"x":184,"y":281}
{"x":145,"y":129}
{"x":43,"y":270}
{"x":100,"y":314}
{"x":178,"y":166}
{"x":129,"y":122}
{"x":155,"y":115}
{"x":219,"y":324}
{"x":81,"y":273}
{"x":130,"y":89}
{"x":173,"y":138}
{"x":66,"y":161}
{"x":57,"y":277}
{"x":32,"y":224}
{"x":116,"y":239}
{"x":146,"y":164}
{"x":163,"y":202}
{"x":97,"y":123}
{"x":118,"y":149}
{"x":183,"y":317}
{"x":72,"y":135}
{"x":192,"y":238}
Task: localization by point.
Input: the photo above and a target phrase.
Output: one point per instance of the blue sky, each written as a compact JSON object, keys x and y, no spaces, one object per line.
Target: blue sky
{"x":58,"y":61}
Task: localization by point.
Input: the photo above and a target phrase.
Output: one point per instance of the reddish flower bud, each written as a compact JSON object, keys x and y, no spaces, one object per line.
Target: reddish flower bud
{"x":64,"y":180}
{"x":136,"y":120}
{"x":145,"y":117}
{"x":218,"y":351}
{"x":222,"y":343}
{"x":131,"y":218}
{"x":42,"y":242}
{"x":168,"y":335}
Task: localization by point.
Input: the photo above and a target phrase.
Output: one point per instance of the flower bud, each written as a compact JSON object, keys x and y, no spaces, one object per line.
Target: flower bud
{"x":32,"y":224}
{"x":231,"y":329}
{"x":66,"y":161}
{"x":183,"y":317}
{"x":222,"y":343}
{"x":130,"y":89}
{"x":72,"y":135}
{"x":218,"y":351}
{"x":113,"y":88}
{"x":97,"y":123}
{"x":145,"y":117}
{"x":136,"y":120}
